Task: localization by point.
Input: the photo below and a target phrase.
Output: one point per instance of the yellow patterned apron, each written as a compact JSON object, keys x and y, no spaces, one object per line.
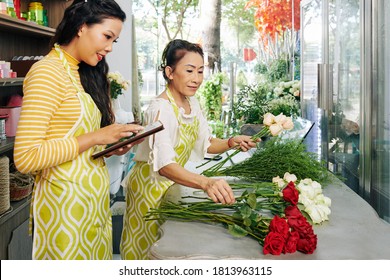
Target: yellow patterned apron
{"x":145,"y":192}
{"x":71,"y":204}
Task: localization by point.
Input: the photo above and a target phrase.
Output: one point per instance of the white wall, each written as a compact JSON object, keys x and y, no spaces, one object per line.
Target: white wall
{"x":120,"y":58}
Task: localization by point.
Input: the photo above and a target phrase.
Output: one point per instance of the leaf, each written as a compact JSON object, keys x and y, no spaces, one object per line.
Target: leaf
{"x":247,"y":222}
{"x":251,"y":201}
{"x":237,"y":231}
{"x":245,"y":211}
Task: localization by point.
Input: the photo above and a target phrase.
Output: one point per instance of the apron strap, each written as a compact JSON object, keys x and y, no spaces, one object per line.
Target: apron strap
{"x":66,"y":66}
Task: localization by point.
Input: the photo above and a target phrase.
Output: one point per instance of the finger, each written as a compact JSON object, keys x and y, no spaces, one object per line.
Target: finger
{"x":213,"y":197}
{"x":227,"y":195}
{"x":231,"y":194}
{"x":134,"y":127}
{"x":221,"y":198}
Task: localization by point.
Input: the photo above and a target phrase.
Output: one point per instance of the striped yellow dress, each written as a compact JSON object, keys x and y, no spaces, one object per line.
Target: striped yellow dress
{"x":145,"y":188}
{"x":70,"y":203}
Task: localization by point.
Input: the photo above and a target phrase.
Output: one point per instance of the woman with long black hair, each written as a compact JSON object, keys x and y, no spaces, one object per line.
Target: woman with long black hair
{"x":66,"y":117}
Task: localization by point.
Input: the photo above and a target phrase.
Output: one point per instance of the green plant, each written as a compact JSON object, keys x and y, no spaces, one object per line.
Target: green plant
{"x":117,"y":84}
{"x":210,"y":96}
{"x":286,"y":105}
{"x":241,"y":79}
{"x":276,"y":157}
{"x":278,"y":70}
{"x":217,"y":128}
{"x":251,"y":103}
{"x":261,"y":68}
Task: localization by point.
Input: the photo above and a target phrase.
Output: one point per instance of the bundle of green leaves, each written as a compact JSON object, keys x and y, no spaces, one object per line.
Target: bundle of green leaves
{"x":274,"y":158}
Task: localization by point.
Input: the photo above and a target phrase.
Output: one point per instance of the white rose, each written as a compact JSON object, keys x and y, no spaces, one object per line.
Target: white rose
{"x":280,"y":119}
{"x":307,"y":191}
{"x":306,"y":181}
{"x":275,"y":129}
{"x":279,"y":181}
{"x":324,"y":200}
{"x":318,"y":213}
{"x":268,"y":119}
{"x":288,"y":124}
{"x":289,"y":177}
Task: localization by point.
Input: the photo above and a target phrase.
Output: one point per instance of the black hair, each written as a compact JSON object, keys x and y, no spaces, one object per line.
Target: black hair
{"x":174,"y":52}
{"x":93,"y":78}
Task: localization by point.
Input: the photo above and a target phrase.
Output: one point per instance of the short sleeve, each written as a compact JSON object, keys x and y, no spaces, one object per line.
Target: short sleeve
{"x":158,"y":149}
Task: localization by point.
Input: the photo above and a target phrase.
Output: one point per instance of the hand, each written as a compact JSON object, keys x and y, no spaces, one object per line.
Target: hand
{"x":123,"y":150}
{"x":245,"y":142}
{"x":219,"y":191}
{"x":108,"y":135}
{"x":114,"y":132}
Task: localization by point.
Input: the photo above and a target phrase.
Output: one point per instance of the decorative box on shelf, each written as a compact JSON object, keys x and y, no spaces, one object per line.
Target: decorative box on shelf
{"x":12,"y":121}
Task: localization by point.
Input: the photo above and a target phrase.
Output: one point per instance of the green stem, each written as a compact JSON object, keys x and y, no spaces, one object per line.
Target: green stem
{"x":213,"y":170}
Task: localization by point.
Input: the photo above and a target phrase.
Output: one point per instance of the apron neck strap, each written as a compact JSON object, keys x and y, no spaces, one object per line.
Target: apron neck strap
{"x":66,"y":66}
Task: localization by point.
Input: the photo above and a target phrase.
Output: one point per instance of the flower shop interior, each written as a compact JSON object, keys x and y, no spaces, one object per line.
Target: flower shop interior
{"x":321,"y":64}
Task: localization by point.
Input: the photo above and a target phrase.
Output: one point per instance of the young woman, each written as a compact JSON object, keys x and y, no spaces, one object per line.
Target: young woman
{"x":66,"y":117}
{"x":160,"y":159}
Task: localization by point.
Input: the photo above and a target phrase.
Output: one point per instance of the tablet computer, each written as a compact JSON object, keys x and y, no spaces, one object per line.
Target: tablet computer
{"x":148,"y":130}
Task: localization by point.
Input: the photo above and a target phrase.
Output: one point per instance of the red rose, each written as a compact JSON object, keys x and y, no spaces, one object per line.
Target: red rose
{"x":308,"y":244}
{"x":292,"y":211}
{"x":301,"y":225}
{"x":290,"y":193}
{"x":279,"y":225}
{"x":291,"y":243}
{"x":273,"y":243}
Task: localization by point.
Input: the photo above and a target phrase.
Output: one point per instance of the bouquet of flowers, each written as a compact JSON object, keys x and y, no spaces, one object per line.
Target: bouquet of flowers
{"x":117,"y":84}
{"x":273,"y":125}
{"x":292,"y":88}
{"x":264,"y":211}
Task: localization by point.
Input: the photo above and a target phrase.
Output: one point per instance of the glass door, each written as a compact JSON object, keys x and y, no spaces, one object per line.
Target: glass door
{"x":344,"y":56}
{"x":331,"y":82}
{"x":377,"y":175}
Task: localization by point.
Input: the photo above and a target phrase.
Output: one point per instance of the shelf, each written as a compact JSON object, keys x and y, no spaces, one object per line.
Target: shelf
{"x":10,"y":82}
{"x":7,"y":144}
{"x":27,"y":28}
{"x":16,"y":207}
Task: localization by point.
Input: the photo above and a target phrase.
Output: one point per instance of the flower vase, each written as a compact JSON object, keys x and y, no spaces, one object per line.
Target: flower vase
{"x":121,"y":116}
{"x":116,"y":105}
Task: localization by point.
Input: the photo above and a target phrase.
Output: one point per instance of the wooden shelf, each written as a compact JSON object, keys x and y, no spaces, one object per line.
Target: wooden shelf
{"x":31,"y":29}
{"x":10,"y":82}
{"x":16,"y":207}
{"x":7,"y":144}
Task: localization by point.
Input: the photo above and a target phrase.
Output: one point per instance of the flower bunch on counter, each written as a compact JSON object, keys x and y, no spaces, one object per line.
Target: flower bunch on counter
{"x":267,"y":212}
{"x":276,"y":156}
{"x":313,"y":202}
{"x":117,"y":84}
{"x":273,"y":126}
{"x":292,"y":88}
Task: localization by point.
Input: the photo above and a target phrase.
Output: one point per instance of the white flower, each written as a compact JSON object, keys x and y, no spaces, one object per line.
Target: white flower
{"x":117,"y":84}
{"x":268,"y":119}
{"x":288,"y":124}
{"x":309,"y":190}
{"x":279,"y":181}
{"x":318,"y":213}
{"x":322,"y":199}
{"x":280,"y":119}
{"x":275,"y":129}
{"x":289,"y":177}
